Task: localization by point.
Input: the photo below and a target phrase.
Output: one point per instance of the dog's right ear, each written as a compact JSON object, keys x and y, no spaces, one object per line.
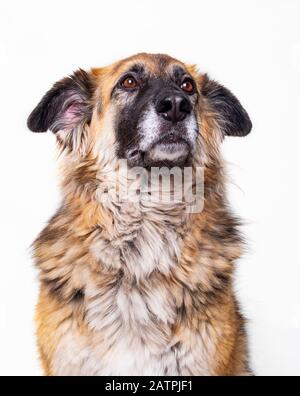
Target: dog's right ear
{"x":65,"y":106}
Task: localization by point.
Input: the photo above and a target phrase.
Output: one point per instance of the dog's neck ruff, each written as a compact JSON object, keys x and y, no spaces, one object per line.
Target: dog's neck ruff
{"x":144,"y":236}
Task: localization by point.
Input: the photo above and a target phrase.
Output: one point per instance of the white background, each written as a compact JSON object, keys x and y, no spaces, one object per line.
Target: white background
{"x":252,"y":47}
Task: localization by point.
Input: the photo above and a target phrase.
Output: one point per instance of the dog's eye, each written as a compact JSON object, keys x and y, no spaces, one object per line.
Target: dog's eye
{"x":187,"y":85}
{"x":129,"y":83}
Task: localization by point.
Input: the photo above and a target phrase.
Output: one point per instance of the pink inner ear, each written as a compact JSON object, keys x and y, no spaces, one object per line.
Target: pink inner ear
{"x":72,"y":114}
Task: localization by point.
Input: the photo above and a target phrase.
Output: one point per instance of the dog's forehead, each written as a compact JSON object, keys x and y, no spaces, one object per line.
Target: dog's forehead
{"x":151,"y":64}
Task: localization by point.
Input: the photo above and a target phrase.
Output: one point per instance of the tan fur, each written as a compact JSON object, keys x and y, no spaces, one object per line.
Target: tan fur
{"x":105,"y":308}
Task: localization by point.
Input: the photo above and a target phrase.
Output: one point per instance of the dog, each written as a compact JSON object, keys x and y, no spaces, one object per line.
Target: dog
{"x":139,"y":287}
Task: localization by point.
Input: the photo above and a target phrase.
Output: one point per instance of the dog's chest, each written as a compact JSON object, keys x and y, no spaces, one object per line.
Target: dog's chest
{"x":128,"y":330}
{"x":128,"y":323}
{"x":129,"y":320}
{"x":134,"y":328}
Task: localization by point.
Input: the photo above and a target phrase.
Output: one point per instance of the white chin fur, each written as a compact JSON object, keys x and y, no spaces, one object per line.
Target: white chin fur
{"x":168,"y":152}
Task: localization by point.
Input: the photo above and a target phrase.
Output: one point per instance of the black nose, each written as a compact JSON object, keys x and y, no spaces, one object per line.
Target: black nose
{"x":174,"y":108}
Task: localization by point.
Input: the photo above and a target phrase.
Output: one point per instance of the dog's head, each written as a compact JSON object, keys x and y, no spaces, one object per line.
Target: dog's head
{"x":153,"y":107}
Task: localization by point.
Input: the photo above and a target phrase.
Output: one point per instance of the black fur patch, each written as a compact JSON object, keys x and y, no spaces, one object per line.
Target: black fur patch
{"x":129,"y":116}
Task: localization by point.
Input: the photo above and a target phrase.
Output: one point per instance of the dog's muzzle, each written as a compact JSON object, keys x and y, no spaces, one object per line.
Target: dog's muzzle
{"x":168,"y":131}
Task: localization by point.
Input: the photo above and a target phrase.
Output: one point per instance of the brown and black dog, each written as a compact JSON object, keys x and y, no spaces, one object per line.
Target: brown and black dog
{"x":139,"y":287}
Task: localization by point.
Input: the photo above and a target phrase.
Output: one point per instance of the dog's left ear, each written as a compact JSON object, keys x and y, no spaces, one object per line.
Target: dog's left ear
{"x":65,"y":106}
{"x":231,"y":117}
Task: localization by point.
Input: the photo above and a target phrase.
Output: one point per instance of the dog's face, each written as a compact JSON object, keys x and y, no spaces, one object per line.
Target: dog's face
{"x":156,"y":104}
{"x":156,"y":120}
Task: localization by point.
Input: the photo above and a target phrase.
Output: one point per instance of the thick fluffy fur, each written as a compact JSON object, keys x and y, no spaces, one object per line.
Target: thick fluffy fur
{"x":137,"y":288}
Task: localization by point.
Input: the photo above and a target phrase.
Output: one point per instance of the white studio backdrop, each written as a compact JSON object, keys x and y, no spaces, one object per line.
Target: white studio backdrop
{"x":253,"y":48}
